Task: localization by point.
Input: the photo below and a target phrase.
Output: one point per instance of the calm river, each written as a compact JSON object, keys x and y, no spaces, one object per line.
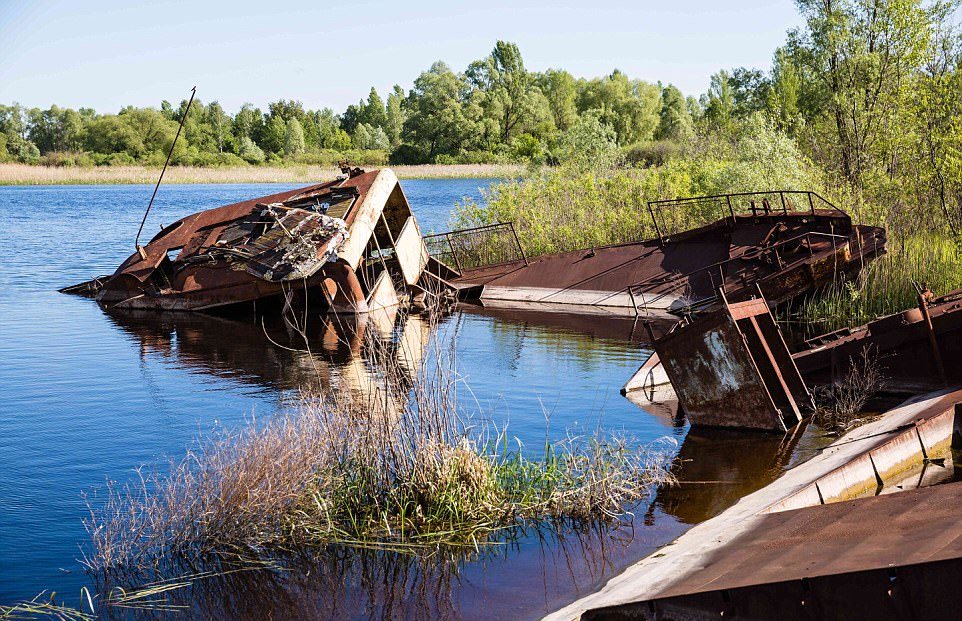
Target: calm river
{"x":86,"y":396}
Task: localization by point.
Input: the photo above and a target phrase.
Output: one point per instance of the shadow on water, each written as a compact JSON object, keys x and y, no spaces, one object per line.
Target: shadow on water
{"x":717,"y":467}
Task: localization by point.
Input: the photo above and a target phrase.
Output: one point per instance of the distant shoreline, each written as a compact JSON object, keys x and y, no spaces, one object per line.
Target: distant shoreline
{"x":25,"y":174}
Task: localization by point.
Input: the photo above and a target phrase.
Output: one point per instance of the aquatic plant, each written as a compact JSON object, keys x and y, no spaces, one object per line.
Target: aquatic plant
{"x":396,"y":466}
{"x":152,"y":597}
{"x":841,"y":403}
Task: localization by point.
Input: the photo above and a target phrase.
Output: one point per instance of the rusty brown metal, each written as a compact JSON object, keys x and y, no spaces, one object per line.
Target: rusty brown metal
{"x":891,"y":557}
{"x":918,"y":349}
{"x":267,"y":246}
{"x":731,"y":368}
{"x":787,"y":251}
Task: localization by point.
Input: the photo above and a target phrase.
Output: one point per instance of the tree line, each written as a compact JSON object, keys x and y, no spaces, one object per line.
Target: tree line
{"x":870,"y":90}
{"x":494,"y":111}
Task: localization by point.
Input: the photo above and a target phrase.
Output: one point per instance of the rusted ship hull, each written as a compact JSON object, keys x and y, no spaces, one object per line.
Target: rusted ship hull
{"x":918,"y":349}
{"x":786,"y":252}
{"x":352,"y":243}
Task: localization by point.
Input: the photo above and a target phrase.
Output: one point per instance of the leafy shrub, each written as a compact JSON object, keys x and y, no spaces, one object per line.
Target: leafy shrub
{"x":590,"y":144}
{"x":115,"y":159}
{"x":67,"y":158}
{"x":577,"y":206}
{"x":248,"y":150}
{"x":654,"y":153}
{"x":408,"y":154}
{"x":22,"y":150}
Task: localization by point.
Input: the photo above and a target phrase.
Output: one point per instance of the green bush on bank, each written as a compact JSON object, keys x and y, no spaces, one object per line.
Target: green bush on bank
{"x":576,"y":206}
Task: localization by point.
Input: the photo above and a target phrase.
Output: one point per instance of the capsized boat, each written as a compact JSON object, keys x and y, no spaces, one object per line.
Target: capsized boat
{"x":353,"y":241}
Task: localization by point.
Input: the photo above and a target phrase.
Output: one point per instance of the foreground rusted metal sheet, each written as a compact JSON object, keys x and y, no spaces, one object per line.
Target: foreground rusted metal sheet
{"x":352,"y":243}
{"x":891,"y":557}
{"x":788,"y":243}
{"x":918,"y":349}
{"x":892,"y":554}
{"x":731,"y":368}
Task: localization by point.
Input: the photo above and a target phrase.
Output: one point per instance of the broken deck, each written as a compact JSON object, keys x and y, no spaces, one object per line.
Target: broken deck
{"x":795,"y":246}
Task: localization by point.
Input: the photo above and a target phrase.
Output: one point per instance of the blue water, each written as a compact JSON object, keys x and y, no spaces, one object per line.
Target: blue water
{"x":88,"y":397}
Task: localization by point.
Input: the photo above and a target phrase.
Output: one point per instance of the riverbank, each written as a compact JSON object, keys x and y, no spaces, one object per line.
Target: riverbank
{"x":25,"y":174}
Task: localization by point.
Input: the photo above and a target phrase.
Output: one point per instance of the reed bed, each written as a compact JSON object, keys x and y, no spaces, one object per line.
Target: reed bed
{"x":885,"y":285}
{"x":24,"y":174}
{"x":399,"y":467}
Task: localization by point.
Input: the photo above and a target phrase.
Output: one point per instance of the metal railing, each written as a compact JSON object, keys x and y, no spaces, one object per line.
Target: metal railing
{"x":670,"y":216}
{"x":715,"y":273}
{"x":476,"y":247}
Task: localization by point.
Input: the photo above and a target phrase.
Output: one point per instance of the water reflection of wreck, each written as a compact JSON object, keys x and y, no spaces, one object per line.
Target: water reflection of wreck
{"x":318,"y":353}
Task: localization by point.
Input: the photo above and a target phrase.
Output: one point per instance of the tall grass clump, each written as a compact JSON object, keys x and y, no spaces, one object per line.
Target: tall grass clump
{"x":399,"y":467}
{"x":885,"y":285}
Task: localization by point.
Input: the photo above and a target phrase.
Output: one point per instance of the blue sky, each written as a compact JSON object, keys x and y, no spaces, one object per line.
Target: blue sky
{"x":108,"y":54}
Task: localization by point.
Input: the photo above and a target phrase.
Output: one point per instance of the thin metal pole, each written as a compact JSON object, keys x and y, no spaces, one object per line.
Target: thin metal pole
{"x":518,"y":241}
{"x":454,"y":254}
{"x":193,"y":91}
{"x":655,"y":222}
{"x":930,"y":329}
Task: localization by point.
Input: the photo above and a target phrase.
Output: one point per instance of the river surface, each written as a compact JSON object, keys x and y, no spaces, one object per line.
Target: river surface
{"x":86,"y":396}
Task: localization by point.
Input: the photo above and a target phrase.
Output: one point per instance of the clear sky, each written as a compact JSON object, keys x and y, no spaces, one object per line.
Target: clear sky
{"x":105,"y":55}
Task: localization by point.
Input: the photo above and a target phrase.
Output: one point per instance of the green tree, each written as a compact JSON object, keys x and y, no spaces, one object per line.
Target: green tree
{"x":146,"y":132}
{"x":394,"y":116}
{"x":861,"y":54}
{"x":248,"y":122}
{"x":675,"y":122}
{"x":936,"y":108}
{"x":274,"y":135}
{"x":329,"y":132}
{"x":220,"y":125}
{"x":589,"y":144}
{"x":719,"y":101}
{"x":437,"y":122}
{"x":249,"y":151}
{"x":55,"y":129}
{"x":293,"y":137}
{"x":505,"y":89}
{"x":560,"y":89}
{"x":373,"y":112}
{"x":631,"y":107}
{"x":750,"y":91}
{"x":785,"y":92}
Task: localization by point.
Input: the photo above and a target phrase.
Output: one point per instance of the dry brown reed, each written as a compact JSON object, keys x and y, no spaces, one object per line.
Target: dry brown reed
{"x":841,"y":403}
{"x":25,"y":174}
{"x":398,"y":467}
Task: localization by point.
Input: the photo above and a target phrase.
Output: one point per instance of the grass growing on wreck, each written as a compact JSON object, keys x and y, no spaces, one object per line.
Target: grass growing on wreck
{"x":885,"y":286}
{"x":408,"y":474}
